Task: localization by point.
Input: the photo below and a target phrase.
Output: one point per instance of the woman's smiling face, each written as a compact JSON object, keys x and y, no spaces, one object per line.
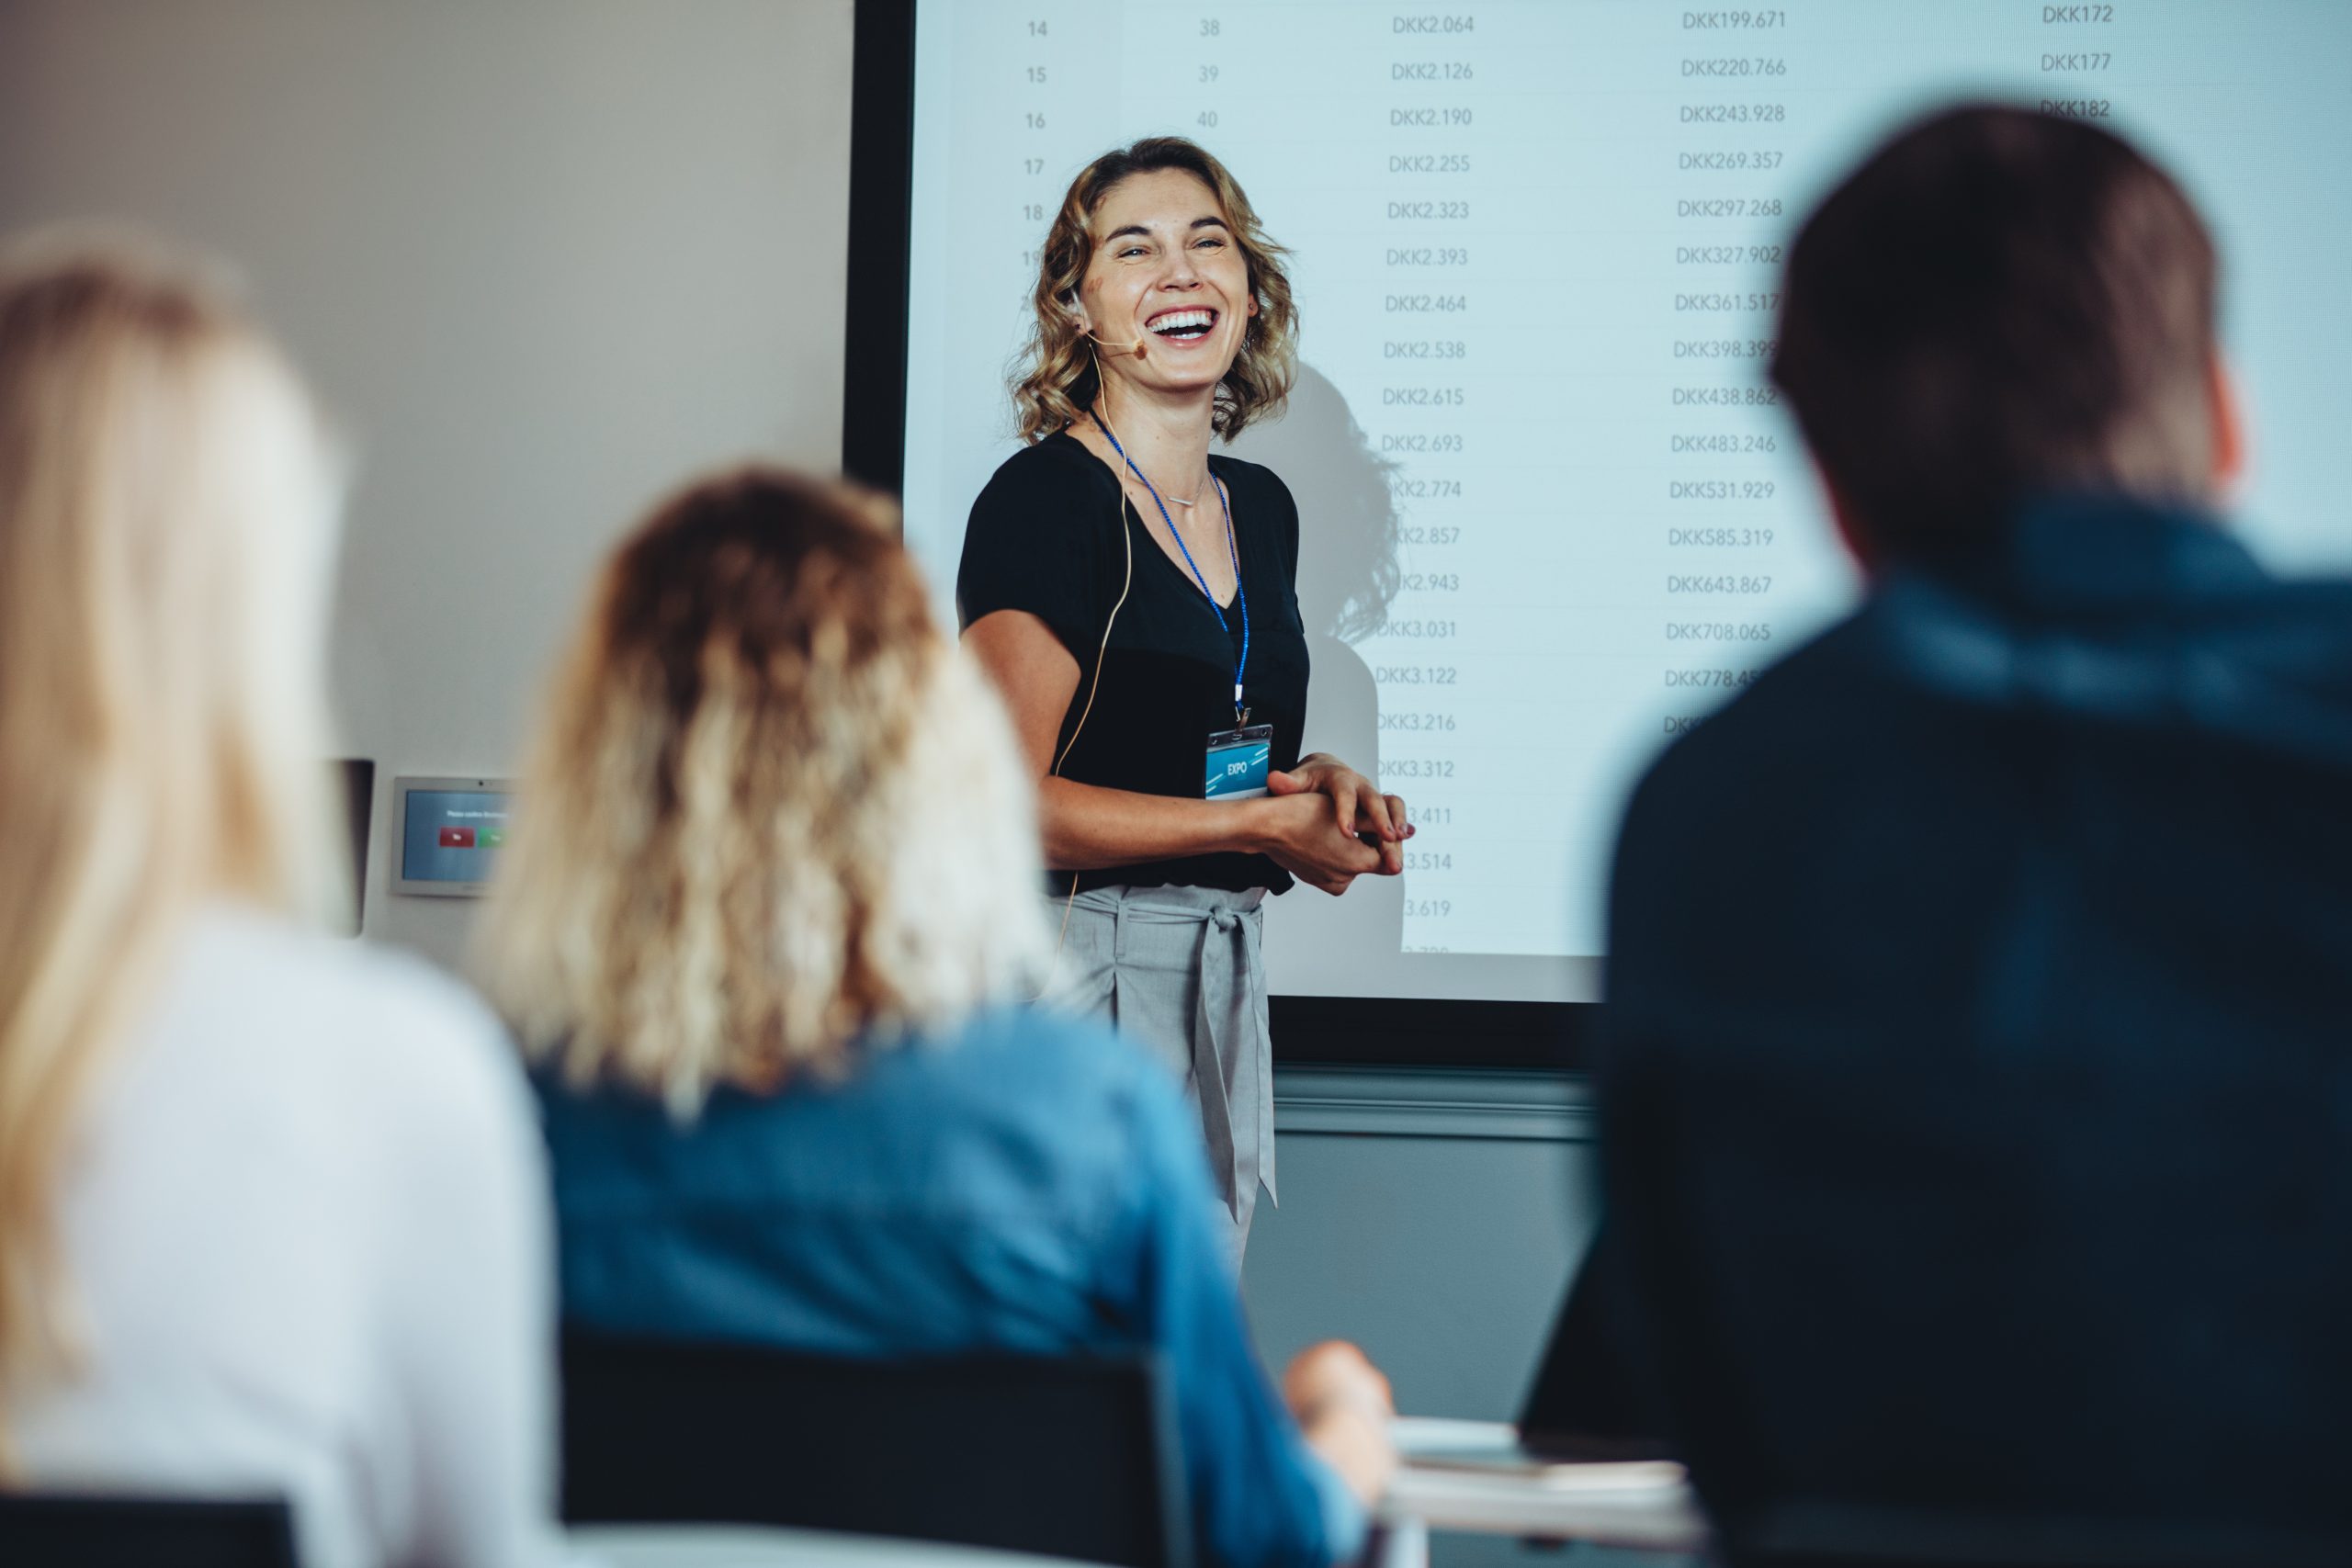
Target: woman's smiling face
{"x":1167,"y":279}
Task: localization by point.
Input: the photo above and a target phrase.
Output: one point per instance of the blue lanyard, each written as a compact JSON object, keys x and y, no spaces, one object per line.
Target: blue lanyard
{"x":1240,"y":595}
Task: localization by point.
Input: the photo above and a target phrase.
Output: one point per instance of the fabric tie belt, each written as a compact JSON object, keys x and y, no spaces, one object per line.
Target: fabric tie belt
{"x":1225,"y":1051}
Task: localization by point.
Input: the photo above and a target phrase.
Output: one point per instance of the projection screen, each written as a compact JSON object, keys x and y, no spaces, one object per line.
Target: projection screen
{"x":1551,"y":513}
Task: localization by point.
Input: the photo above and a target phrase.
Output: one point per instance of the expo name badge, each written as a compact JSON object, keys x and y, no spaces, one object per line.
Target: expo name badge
{"x":1238,"y":762}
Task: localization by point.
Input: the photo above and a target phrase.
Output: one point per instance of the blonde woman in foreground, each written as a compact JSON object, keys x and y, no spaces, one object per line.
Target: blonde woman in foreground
{"x":272,"y":1220}
{"x":762,"y":923}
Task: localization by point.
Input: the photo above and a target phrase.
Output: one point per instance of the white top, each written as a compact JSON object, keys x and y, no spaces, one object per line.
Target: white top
{"x":305,"y":1227}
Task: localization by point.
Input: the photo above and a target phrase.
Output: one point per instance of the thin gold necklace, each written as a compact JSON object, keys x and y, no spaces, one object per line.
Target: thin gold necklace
{"x":1198,"y":485}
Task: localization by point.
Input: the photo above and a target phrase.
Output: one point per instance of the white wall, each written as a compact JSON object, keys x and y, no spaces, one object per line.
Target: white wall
{"x":543,"y":257}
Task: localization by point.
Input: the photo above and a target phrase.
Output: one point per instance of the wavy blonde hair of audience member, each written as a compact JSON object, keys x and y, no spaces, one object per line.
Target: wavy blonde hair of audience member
{"x":773,"y":811}
{"x":166,"y":532}
{"x":1060,"y":377}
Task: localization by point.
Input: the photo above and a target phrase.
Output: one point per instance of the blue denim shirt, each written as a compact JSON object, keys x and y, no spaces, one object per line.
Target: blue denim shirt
{"x":1031,"y":1184}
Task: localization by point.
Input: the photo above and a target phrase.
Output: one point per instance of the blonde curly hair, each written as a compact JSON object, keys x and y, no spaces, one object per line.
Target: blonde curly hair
{"x":772,"y":813}
{"x":1061,"y":378}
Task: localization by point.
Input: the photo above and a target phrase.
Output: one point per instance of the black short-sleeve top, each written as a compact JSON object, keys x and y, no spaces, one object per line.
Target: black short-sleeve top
{"x":1045,"y":536}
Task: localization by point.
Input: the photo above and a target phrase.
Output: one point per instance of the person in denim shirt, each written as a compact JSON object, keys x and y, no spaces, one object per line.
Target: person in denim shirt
{"x":764,"y":926}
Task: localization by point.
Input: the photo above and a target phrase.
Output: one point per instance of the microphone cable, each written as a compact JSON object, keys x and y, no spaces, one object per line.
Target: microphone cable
{"x":1102,"y":653}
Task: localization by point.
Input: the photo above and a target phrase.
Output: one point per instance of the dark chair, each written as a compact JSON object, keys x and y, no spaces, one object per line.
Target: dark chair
{"x":2034,"y":1302}
{"x":1067,"y":1457}
{"x":101,"y":1531}
{"x":1812,"y":1533}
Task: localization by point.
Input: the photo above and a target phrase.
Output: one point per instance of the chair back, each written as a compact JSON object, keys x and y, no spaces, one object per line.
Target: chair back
{"x":1817,"y":1533}
{"x":103,"y":1531}
{"x":2022,"y":1282}
{"x":1062,"y":1457}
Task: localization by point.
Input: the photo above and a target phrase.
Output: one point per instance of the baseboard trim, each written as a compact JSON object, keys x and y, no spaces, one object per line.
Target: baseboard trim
{"x":1413,"y":1103}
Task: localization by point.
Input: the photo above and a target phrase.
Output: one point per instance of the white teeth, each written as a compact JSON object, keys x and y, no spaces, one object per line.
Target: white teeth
{"x":1179,"y":320}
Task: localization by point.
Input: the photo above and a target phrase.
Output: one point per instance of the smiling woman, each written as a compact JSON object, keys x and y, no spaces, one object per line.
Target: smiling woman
{"x":1133,"y":597}
{"x":1063,"y":379}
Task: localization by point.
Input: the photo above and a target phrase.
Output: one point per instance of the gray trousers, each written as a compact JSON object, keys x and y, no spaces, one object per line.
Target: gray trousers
{"x":1182,"y":970}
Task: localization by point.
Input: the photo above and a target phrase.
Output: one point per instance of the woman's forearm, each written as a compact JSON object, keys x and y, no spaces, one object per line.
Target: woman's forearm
{"x":1088,"y":828}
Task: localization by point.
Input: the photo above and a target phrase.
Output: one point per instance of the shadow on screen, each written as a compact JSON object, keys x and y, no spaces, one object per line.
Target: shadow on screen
{"x":1347,"y":572}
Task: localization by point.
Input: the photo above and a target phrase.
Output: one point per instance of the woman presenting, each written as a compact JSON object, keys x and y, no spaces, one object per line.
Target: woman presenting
{"x":1133,"y":597}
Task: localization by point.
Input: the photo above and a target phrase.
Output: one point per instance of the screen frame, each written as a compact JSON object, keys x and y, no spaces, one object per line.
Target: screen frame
{"x":355,"y":787}
{"x":400,"y":881}
{"x":1365,"y":1032}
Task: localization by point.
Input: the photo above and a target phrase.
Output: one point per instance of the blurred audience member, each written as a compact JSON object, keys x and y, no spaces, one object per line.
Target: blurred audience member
{"x":272,"y":1217}
{"x":1974,"y":1087}
{"x":765,"y":911}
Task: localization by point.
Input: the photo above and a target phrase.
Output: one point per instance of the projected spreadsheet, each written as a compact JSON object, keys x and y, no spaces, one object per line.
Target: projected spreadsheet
{"x":1552,"y":511}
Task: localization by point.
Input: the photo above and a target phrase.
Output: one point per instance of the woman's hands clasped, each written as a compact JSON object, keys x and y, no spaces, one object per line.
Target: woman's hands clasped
{"x":1326,"y":825}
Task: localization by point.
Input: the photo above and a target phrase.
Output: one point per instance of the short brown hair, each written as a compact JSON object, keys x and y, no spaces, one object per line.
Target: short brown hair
{"x":774,"y":811}
{"x":1061,"y":378}
{"x":1999,"y":303}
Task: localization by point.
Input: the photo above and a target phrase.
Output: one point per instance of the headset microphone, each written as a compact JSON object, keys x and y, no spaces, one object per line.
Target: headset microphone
{"x":1069,"y":303}
{"x":1117,"y":349}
